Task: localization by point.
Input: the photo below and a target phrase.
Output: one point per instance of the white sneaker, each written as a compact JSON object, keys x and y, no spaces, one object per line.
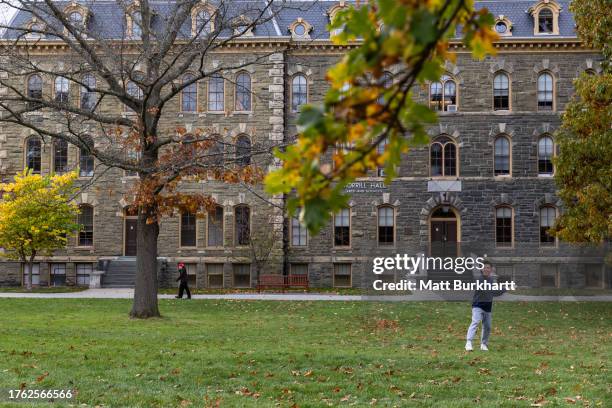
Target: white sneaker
{"x":484,"y":347}
{"x":468,"y":346}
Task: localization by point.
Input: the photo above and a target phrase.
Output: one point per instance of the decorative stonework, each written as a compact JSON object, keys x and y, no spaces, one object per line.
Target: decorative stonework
{"x":277,"y":97}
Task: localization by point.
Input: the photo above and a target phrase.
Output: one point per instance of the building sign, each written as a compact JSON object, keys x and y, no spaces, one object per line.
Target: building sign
{"x":365,"y":187}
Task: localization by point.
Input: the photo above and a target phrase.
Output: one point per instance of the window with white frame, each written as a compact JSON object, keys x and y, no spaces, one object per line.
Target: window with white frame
{"x":299,"y":233}
{"x":443,"y":95}
{"x":501,"y":162}
{"x":88,"y":96}
{"x":545,"y":155}
{"x":60,"y":156}
{"x":189,"y":94}
{"x":62,"y":87}
{"x":85,"y":221}
{"x":386,"y":225}
{"x":503,"y":226}
{"x":299,"y":92}
{"x":501,"y":92}
{"x":548,"y":214}
{"x":342,"y":228}
{"x":545,"y":92}
{"x":243,"y":92}
{"x":443,"y":157}
{"x":83,"y":273}
{"x":33,"y":154}
{"x":216,"y":93}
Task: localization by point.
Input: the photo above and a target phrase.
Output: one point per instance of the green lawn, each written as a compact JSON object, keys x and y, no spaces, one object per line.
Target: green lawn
{"x":43,"y":289}
{"x":307,"y":354}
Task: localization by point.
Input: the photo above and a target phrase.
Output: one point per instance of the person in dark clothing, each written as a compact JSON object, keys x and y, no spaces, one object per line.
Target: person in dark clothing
{"x":184,"y":281}
{"x":482,"y":306}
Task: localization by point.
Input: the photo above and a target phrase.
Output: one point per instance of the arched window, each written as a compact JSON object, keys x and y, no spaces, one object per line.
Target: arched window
{"x":502,"y":156}
{"x":35,"y":86}
{"x":243,"y":150}
{"x":380,"y":149}
{"x":189,"y":95}
{"x":216,"y":93}
{"x":545,"y":21}
{"x":545,"y":91}
{"x":243,"y":92}
{"x":62,"y":87}
{"x":203,"y":23}
{"x":503,"y":226}
{"x":386,"y":226}
{"x":443,"y":95}
{"x":299,"y":92}
{"x":386,"y":81}
{"x":60,"y":156}
{"x":548,"y":214}
{"x":242,"y":225}
{"x":501,"y":92}
{"x":342,"y":227}
{"x":86,"y":163}
{"x":443,"y":157}
{"x":33,"y":154}
{"x":545,"y":155}
{"x":85,"y":221}
{"x":88,"y":96}
{"x":215,"y":227}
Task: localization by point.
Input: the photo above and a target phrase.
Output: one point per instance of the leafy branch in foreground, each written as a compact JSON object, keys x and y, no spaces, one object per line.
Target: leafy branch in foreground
{"x":363,"y":109}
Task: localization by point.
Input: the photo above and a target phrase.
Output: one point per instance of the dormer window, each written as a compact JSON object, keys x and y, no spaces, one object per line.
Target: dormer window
{"x":136,"y":26}
{"x":202,"y":20}
{"x":503,"y":26}
{"x":242,"y":26}
{"x":76,"y":19}
{"x":545,"y":17}
{"x":300,"y":29}
{"x":77,"y":16}
{"x":332,"y":13}
{"x":545,"y":21}
{"x":35,"y":29}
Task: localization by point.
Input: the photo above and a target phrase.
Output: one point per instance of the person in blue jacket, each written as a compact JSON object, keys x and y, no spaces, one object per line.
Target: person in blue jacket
{"x":482,"y":306}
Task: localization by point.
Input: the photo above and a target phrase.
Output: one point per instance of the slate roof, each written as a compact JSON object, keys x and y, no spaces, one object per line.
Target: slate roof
{"x":107,"y":17}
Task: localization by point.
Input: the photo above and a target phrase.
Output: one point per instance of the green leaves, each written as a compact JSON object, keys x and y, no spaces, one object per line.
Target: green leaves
{"x":341,"y":141}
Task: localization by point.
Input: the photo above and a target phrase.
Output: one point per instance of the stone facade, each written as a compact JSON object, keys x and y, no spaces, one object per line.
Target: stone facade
{"x":472,"y":195}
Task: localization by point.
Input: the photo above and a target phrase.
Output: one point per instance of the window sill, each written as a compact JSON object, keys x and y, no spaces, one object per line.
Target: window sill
{"x":188,"y":248}
{"x":222,"y":112}
{"x":215,"y":248}
{"x":242,"y":112}
{"x":503,"y":177}
{"x":90,"y":248}
{"x":546,"y":175}
{"x":504,"y":247}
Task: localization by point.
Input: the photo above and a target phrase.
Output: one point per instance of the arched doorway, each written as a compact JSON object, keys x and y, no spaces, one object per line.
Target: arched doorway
{"x":130,"y":230}
{"x":444,"y":232}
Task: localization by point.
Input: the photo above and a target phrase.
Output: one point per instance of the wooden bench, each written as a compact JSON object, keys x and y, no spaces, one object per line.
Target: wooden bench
{"x":277,"y":281}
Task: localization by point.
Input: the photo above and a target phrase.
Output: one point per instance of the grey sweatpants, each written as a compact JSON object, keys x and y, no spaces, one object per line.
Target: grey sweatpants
{"x":479,"y":315}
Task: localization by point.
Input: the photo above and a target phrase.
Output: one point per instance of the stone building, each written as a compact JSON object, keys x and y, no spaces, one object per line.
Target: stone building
{"x":483,"y":186}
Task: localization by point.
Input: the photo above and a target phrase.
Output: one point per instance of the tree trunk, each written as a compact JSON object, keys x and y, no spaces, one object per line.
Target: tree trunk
{"x":28,"y":281}
{"x":145,"y":292}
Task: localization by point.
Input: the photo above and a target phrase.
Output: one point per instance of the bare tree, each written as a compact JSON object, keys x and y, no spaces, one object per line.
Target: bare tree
{"x":127,"y":81}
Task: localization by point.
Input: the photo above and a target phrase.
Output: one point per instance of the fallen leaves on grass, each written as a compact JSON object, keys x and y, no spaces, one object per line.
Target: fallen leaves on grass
{"x":42,"y":377}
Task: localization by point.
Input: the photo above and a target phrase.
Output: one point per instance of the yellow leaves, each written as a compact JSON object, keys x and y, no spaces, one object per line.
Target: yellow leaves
{"x":482,"y":42}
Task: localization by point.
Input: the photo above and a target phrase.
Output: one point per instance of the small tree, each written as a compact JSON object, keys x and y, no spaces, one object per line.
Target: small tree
{"x":36,"y":216}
